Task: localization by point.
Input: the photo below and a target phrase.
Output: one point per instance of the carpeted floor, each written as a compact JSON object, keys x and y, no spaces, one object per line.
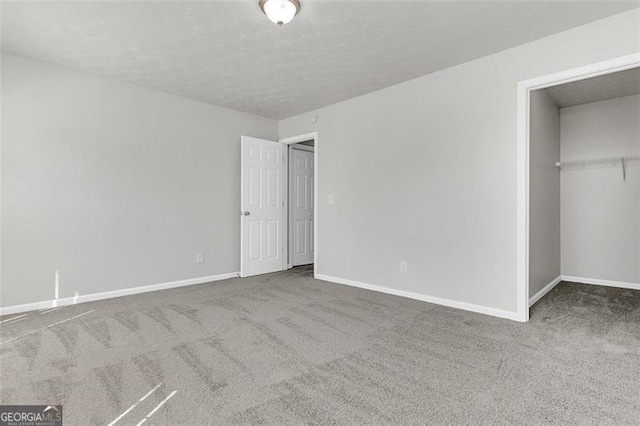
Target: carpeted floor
{"x":287,"y":349}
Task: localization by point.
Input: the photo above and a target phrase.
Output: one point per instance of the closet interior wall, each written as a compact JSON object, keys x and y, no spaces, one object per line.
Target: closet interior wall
{"x":584,"y":219}
{"x":600,"y":211}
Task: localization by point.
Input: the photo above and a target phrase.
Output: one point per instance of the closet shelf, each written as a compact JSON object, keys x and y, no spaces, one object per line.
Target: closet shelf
{"x":622,"y":160}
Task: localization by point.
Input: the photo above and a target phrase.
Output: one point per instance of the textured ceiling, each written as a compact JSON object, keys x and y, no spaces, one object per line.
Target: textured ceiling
{"x":608,"y":86}
{"x":227,"y":53}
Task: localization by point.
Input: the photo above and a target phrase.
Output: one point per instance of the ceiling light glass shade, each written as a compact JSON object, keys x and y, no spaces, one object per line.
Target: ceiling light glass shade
{"x":280,"y":12}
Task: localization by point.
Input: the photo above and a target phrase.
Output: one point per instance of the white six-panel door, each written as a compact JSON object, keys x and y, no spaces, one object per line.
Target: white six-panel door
{"x":302,"y":210}
{"x":262,"y":207}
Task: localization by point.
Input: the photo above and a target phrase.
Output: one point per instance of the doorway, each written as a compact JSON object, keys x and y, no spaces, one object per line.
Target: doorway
{"x":278,"y":204}
{"x":526,"y":92}
{"x":301,"y":201}
{"x":300,"y":212}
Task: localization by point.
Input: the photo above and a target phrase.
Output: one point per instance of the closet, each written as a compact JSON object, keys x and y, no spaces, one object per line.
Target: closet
{"x":584,"y":217}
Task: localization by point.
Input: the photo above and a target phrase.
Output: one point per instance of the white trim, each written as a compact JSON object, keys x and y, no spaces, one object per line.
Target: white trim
{"x":539,"y":295}
{"x":597,"y":281}
{"x":424,"y":298}
{"x":114,"y":293}
{"x":285,"y":239}
{"x":522,"y":158}
{"x":241,"y":273}
{"x":284,"y":154}
{"x":300,"y":138}
{"x":522,"y":208}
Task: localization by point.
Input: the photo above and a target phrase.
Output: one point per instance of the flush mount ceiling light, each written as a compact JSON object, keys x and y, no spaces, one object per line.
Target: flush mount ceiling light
{"x":280,"y":12}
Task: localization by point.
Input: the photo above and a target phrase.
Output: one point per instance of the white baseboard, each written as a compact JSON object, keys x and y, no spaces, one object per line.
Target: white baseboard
{"x":111,"y":294}
{"x":539,"y":295}
{"x":422,"y":297}
{"x":596,"y":281}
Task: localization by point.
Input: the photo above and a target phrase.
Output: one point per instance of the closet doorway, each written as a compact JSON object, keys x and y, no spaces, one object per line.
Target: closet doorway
{"x":300,"y":200}
{"x":300,"y":212}
{"x":579,"y":179}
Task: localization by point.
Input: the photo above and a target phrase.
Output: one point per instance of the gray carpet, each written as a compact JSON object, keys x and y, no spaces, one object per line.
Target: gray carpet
{"x":287,"y":349}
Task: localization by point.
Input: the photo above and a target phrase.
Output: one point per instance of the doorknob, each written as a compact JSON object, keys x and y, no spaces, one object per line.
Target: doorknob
{"x":246,"y":213}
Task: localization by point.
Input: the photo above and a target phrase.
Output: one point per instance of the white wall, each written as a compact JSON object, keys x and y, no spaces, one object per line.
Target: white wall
{"x":544,"y":194}
{"x":600,"y":211}
{"x":113,"y":185}
{"x":425,"y":171}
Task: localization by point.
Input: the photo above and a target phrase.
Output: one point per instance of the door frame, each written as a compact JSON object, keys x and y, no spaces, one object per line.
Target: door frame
{"x":523,"y":159}
{"x":290,"y":149}
{"x":287,"y":262}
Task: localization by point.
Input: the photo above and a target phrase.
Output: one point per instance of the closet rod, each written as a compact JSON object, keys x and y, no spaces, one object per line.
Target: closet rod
{"x":622,"y":160}
{"x":598,"y":161}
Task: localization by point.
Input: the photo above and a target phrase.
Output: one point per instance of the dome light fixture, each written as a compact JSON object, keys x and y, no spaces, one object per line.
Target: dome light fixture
{"x":280,"y":12}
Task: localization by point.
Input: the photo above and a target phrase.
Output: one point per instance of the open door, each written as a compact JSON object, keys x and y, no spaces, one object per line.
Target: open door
{"x":262,"y":207}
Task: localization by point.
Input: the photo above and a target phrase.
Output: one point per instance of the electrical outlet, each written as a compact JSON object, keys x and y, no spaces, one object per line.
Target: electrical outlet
{"x":403,"y":267}
{"x":199,"y":257}
{"x":330,"y":199}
